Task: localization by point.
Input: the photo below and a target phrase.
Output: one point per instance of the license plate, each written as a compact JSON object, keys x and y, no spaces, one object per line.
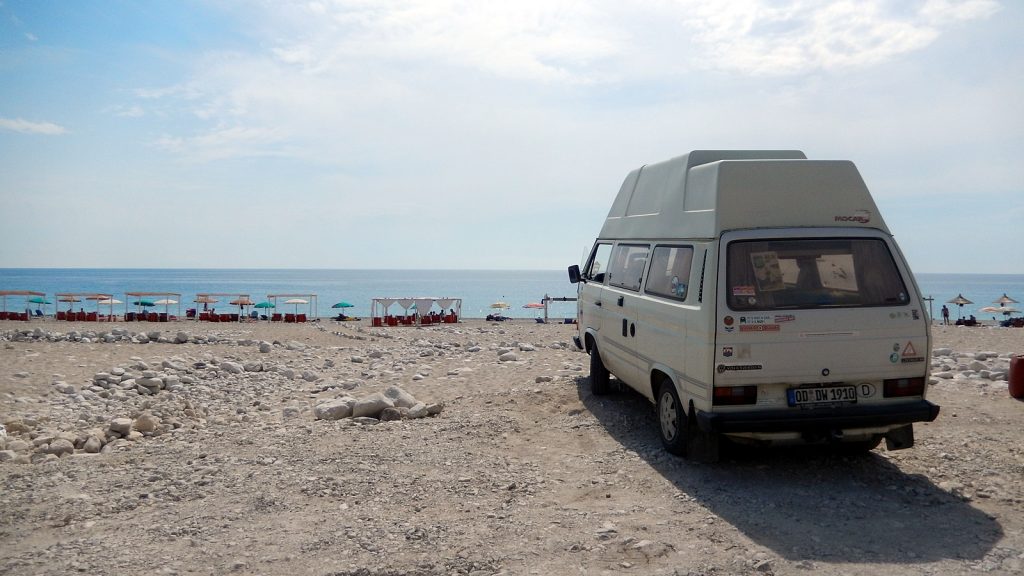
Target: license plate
{"x":822,"y":395}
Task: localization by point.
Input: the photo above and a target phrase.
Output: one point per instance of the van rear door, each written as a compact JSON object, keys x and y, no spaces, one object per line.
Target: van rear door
{"x":816,"y":307}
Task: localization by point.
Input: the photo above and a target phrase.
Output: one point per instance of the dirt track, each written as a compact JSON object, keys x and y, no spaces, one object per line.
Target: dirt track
{"x":524,"y":472}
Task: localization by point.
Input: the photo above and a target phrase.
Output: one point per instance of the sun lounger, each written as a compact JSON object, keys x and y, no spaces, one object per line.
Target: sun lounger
{"x":300,"y":318}
{"x":275,"y":317}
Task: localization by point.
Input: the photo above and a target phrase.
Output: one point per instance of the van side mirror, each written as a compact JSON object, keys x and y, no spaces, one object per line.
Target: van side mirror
{"x":574,"y":273}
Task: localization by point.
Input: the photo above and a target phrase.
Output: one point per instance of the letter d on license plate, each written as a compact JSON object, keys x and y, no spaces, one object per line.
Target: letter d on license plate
{"x":822,"y":395}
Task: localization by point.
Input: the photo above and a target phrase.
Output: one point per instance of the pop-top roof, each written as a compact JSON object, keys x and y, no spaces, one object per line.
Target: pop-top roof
{"x":707,"y":192}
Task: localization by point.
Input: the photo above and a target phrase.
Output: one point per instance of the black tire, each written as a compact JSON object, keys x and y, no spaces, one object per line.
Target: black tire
{"x":859,"y":447}
{"x":600,"y":380}
{"x":672,"y":426}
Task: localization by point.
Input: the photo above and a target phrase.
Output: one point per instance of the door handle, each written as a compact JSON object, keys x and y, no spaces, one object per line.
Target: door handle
{"x":597,"y":303}
{"x":622,"y":300}
{"x":623,"y":327}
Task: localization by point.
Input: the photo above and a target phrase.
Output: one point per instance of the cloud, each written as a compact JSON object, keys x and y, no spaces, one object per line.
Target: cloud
{"x":802,"y":36}
{"x":31,"y":37}
{"x":26,"y":127}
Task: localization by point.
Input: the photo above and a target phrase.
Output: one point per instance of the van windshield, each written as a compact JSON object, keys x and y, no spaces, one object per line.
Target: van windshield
{"x":812,"y":273}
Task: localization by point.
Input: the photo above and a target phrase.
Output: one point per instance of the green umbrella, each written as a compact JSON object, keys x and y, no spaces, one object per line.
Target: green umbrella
{"x":146,"y":303}
{"x":343,"y":305}
{"x":39,"y":300}
{"x":264,"y":305}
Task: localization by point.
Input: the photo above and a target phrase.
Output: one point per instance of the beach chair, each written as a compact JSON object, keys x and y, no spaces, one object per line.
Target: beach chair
{"x":275,"y":317}
{"x":3,"y":315}
{"x":289,"y":318}
{"x":60,"y":315}
{"x":300,"y":318}
{"x":92,"y":317}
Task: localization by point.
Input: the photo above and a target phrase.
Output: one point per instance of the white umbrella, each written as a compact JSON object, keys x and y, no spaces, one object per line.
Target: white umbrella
{"x":165,"y":302}
{"x":296,"y":302}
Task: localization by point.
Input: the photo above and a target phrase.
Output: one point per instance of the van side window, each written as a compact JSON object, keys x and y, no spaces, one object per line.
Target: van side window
{"x":808,"y":273}
{"x":670,"y":271}
{"x":598,"y":264}
{"x":627,"y":266}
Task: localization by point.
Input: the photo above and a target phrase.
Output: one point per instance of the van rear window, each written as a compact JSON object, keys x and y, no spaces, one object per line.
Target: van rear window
{"x":810,"y":273}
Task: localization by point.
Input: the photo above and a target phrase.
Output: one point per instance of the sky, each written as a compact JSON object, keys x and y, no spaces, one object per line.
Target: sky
{"x":446,"y":134}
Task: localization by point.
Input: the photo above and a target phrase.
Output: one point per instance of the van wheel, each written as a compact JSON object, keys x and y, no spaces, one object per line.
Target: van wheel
{"x":671,"y":419}
{"x":599,"y":377}
{"x":858,"y":447}
{"x":702,"y":446}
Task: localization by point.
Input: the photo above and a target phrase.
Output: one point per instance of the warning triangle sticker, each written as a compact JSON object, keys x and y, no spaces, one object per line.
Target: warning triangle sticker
{"x":909,"y":350}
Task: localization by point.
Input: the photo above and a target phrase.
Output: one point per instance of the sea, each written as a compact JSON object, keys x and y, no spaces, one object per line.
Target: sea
{"x":478,"y":289}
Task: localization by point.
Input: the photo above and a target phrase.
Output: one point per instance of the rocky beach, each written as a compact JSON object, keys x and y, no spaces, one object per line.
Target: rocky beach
{"x":335,"y":448}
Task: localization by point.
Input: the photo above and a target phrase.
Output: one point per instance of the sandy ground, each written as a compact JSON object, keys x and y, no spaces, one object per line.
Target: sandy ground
{"x":523,"y":472}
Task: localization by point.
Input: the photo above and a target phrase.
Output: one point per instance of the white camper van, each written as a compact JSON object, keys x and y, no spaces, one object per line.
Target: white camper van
{"x":757,"y":295}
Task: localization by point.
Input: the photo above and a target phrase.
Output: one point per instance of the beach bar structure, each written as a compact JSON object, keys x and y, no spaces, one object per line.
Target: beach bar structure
{"x":294,"y":300}
{"x":82,"y":316}
{"x":451,"y":311}
{"x":238,"y":299}
{"x":27,"y":294}
{"x":166,"y":299}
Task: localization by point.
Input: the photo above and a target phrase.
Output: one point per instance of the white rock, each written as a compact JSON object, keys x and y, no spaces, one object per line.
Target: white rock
{"x":92,"y":445}
{"x":526,"y":347}
{"x":253,"y":366}
{"x":399,"y":397}
{"x":335,"y":409}
{"x":508,"y":357}
{"x":231,"y":367}
{"x":435,"y":408}
{"x":64,"y":388}
{"x":147,"y":423}
{"x":265,"y":347}
{"x":419,"y":410}
{"x":371,"y":405}
{"x":60,"y":447}
{"x":310,"y":376}
{"x":293,"y":345}
{"x":121,"y":426}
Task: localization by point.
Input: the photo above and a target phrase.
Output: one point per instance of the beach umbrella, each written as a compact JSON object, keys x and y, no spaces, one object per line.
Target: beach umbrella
{"x":70,"y":300}
{"x":296,"y":302}
{"x":205,"y":301}
{"x":533,"y":305}
{"x":959,"y":301}
{"x":1004,"y":310}
{"x":39,"y":300}
{"x":165,"y":302}
{"x":1004,"y":300}
{"x":500,"y":305}
{"x":146,"y":303}
{"x":109,"y":302}
{"x":343,"y":305}
{"x":264,"y":305}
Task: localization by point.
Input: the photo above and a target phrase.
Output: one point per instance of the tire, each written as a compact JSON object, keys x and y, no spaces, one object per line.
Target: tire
{"x":859,"y":447}
{"x":599,"y":378}
{"x":672,"y":426}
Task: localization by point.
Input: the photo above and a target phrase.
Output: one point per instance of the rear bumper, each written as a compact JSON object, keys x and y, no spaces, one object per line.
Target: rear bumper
{"x":818,"y":420}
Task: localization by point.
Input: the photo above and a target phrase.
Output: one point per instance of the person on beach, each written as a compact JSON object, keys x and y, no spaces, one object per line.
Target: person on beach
{"x":945,"y":314}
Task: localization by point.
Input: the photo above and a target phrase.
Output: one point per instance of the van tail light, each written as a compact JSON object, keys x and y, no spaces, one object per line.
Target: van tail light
{"x":734,"y":395}
{"x":897,"y":387}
